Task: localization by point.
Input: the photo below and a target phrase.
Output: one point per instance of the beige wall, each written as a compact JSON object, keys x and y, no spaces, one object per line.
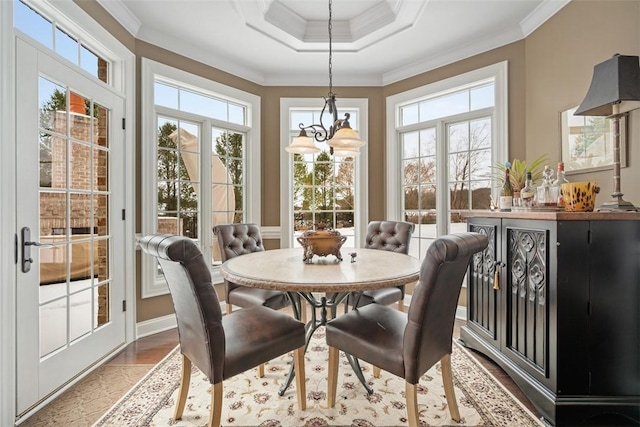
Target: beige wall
{"x":560,"y":56}
{"x":549,"y":71}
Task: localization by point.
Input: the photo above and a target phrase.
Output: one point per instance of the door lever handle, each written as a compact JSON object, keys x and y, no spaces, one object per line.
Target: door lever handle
{"x":26,"y":249}
{"x":42,"y":245}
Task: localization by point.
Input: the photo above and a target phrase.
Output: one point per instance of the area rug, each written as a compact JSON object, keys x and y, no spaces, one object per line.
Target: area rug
{"x":252,"y":401}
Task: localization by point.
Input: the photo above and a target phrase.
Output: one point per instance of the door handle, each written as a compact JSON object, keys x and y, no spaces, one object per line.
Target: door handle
{"x":26,"y":249}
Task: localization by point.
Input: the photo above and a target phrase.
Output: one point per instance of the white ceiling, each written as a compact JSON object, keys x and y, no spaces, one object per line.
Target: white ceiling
{"x":285,"y":42}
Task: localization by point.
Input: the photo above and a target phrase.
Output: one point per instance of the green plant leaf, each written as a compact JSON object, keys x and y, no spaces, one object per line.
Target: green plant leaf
{"x":518,"y":172}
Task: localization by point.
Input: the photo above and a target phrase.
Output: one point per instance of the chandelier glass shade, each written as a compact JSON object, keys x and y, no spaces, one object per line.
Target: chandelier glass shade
{"x":343,"y":141}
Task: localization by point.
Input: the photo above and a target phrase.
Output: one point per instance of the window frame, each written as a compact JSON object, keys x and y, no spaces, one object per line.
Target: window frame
{"x":499,"y":150}
{"x":152,"y":285}
{"x":361,"y":185}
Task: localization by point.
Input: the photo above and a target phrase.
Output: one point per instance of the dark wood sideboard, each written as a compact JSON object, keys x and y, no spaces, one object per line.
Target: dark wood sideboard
{"x":564,"y":320}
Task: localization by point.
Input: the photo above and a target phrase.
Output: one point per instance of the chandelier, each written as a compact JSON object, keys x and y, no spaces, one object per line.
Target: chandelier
{"x":342,"y":140}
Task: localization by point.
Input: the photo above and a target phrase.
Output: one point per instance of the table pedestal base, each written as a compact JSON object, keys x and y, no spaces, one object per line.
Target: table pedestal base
{"x":323,"y":304}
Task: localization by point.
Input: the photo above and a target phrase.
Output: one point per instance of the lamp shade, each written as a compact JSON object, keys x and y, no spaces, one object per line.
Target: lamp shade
{"x":614,"y":81}
{"x":346,"y":137}
{"x":302,"y":144}
{"x":346,"y":152}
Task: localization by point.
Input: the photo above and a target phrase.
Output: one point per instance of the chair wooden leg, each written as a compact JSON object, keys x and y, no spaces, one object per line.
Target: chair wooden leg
{"x":216,"y":405}
{"x":411,"y":392}
{"x":260,"y":371}
{"x":229,"y":308}
{"x":332,"y":386}
{"x":449,"y":392}
{"x":301,"y":386}
{"x":303,"y":311}
{"x":376,"y":372}
{"x":185,"y":378}
{"x":401,"y":305}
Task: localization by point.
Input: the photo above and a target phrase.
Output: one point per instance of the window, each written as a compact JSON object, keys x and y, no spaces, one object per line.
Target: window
{"x":320,"y":188}
{"x":52,"y":36}
{"x":202,"y":138}
{"x":442,"y":140}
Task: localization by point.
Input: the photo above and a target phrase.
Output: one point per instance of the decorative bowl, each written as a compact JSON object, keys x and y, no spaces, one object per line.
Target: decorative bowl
{"x":321,"y":242}
{"x":579,"y":196}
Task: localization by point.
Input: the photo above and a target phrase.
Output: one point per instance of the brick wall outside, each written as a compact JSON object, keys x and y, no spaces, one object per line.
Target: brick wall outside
{"x":53,"y":206}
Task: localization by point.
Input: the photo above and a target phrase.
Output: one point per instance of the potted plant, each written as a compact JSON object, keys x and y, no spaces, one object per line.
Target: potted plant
{"x":518,"y":172}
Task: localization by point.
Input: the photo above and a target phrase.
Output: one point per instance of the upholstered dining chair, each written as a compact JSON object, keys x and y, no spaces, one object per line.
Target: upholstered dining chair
{"x":409,"y":344}
{"x":241,"y":239}
{"x":237,"y":240}
{"x":220,"y":346}
{"x":394,"y":236}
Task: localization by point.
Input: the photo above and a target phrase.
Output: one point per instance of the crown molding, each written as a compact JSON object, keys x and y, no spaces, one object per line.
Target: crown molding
{"x":122,"y":14}
{"x":540,"y":15}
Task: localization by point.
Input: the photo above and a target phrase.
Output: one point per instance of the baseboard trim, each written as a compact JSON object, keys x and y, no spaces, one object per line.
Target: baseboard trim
{"x":153,"y":326}
{"x":161,"y":324}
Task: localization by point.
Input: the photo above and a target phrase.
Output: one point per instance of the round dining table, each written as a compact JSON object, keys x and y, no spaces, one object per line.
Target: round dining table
{"x":324,"y":282}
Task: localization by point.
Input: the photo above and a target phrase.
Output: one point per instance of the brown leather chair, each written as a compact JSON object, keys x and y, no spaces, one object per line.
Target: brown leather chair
{"x":409,"y":344}
{"x":240,"y":239}
{"x":394,"y":236}
{"x":220,"y":346}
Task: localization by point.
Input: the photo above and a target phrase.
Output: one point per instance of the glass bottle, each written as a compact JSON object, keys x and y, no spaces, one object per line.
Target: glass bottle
{"x":560,"y":179}
{"x":506,"y":193}
{"x":528,"y":192}
{"x":544,"y":197}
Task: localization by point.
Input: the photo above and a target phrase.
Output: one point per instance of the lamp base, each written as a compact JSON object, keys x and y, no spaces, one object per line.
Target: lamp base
{"x":617,"y":204}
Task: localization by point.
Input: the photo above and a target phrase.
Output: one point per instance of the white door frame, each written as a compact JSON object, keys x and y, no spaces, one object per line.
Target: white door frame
{"x":125,"y":61}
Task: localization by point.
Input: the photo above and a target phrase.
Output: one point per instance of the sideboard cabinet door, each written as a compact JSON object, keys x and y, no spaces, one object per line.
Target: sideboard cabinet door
{"x":483,"y":301}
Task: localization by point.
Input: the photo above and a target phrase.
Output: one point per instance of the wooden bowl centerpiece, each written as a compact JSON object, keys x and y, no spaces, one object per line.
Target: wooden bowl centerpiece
{"x":321,"y":242}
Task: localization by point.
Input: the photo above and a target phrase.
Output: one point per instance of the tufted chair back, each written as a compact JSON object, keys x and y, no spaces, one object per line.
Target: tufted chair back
{"x":392,"y":236}
{"x":237,"y":240}
{"x":408,"y":345}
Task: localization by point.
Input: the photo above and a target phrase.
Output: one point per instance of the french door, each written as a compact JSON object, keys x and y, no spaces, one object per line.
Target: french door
{"x":70,"y":270}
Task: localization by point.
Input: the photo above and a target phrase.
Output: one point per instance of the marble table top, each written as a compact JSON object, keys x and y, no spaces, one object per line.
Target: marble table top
{"x":284,"y":270}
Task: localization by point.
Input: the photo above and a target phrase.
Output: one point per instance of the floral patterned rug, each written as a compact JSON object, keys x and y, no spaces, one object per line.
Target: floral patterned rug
{"x":252,"y":401}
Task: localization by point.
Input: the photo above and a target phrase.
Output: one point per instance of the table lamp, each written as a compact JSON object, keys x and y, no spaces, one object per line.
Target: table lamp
{"x":614,"y":91}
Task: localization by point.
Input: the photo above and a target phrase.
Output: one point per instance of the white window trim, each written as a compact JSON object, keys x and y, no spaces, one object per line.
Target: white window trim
{"x":151,"y":285}
{"x":361,"y":205}
{"x":500,"y":121}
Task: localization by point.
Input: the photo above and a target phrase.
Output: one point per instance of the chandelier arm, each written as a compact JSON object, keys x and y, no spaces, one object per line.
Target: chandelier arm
{"x":319,"y":132}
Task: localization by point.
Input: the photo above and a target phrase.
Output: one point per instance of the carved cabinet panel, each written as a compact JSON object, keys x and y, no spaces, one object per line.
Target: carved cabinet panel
{"x":555,"y":304}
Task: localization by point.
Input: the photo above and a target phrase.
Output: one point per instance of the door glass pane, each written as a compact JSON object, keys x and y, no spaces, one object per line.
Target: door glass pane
{"x":53,"y":161}
{"x":53,"y":106}
{"x":74,"y":212}
{"x":101,"y":261}
{"x":100,"y":215}
{"x":80,"y":165}
{"x":101,"y":120}
{"x":53,"y":326}
{"x":80,"y":314}
{"x":103,"y":297}
{"x":53,"y":266}
{"x":100,"y":170}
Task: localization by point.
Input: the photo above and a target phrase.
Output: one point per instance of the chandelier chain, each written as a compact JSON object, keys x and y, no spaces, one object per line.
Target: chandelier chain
{"x":330,"y":54}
